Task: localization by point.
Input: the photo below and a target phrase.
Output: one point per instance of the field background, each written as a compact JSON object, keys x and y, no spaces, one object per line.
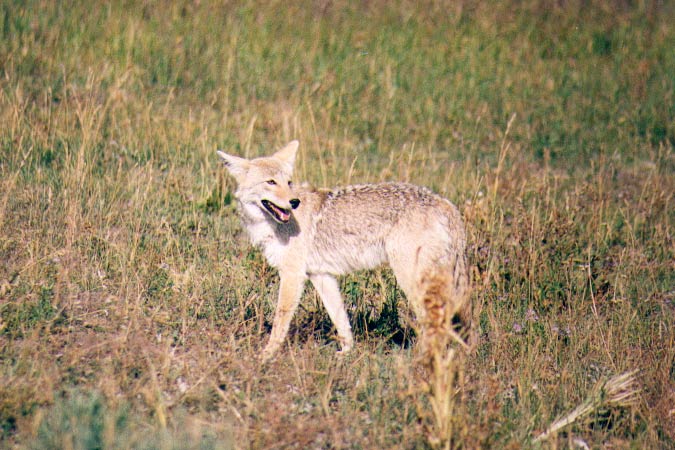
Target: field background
{"x":132,"y":308}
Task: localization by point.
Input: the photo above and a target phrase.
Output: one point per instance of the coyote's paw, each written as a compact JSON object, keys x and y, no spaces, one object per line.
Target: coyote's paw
{"x":268,"y":353}
{"x":345,"y":350}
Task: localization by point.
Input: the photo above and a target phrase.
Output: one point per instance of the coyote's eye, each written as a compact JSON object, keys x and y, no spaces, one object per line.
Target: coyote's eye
{"x":290,"y":183}
{"x":271,"y":182}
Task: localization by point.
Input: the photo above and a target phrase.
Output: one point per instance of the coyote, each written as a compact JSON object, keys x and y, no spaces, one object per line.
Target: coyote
{"x":321,"y":233}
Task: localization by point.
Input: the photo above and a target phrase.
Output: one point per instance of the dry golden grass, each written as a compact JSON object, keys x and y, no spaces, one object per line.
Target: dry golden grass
{"x":132,"y":309}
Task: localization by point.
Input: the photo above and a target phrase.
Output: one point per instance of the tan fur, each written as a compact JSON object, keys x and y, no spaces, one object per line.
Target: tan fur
{"x":336,"y":231}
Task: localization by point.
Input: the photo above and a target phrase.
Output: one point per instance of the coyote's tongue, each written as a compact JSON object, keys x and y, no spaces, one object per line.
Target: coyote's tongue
{"x":283,"y":214}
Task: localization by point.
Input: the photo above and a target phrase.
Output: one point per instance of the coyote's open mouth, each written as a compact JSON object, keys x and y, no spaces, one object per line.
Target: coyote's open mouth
{"x":279,"y":214}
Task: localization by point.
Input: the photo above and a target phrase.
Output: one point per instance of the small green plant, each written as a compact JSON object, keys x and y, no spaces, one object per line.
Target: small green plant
{"x":81,"y":420}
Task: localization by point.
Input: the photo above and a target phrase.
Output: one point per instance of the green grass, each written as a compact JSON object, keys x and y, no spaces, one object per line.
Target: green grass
{"x":132,"y":306}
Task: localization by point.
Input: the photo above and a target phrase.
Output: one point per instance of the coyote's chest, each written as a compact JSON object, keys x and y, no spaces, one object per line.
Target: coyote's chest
{"x":276,"y":242}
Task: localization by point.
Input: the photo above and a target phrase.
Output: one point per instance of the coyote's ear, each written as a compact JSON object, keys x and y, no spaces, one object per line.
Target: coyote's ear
{"x":236,"y":165}
{"x":287,"y":154}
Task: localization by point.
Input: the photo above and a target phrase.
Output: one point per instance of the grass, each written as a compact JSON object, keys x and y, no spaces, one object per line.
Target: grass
{"x":132,"y":308}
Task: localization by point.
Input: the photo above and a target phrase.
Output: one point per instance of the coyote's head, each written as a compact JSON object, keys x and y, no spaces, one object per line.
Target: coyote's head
{"x":264,"y":184}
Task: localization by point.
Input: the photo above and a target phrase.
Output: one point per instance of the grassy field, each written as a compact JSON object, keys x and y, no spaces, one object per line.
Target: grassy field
{"x":132,"y":308}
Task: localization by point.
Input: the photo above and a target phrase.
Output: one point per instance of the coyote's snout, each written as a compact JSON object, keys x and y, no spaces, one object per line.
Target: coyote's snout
{"x":281,"y":215}
{"x":317,"y":234}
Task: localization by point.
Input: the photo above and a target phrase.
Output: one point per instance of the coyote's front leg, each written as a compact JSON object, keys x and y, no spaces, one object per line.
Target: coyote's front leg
{"x":290,"y":290}
{"x":329,"y":291}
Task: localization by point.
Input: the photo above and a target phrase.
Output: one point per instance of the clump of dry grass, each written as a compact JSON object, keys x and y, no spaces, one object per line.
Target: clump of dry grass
{"x":619,"y":391}
{"x":442,"y":386}
{"x":441,"y":353}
